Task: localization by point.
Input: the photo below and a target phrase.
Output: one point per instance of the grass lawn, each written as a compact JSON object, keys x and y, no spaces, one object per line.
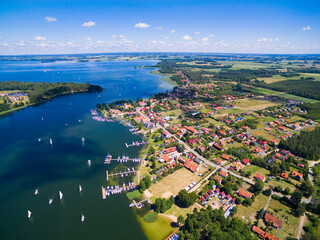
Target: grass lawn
{"x":134,"y":195}
{"x":157,"y":230}
{"x":268,"y":119}
{"x":216,"y":123}
{"x":257,"y":170}
{"x":176,"y":211}
{"x":289,"y":222}
{"x":295,"y":119}
{"x":283,"y":184}
{"x":253,"y":104}
{"x":250,"y":212}
{"x":173,"y":183}
{"x":265,"y":134}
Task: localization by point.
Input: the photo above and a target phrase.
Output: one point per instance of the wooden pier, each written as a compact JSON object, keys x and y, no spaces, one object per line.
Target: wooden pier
{"x":118,"y":173}
{"x":139,"y":204}
{"x":123,"y":160}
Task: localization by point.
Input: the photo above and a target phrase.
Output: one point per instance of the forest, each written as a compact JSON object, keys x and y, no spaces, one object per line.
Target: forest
{"x":41,"y":91}
{"x":211,"y":224}
{"x":306,"y":145}
{"x":313,"y":110}
{"x":303,"y":87}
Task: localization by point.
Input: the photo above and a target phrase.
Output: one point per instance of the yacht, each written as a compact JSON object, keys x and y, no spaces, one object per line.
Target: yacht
{"x":36,"y":191}
{"x":60,"y":195}
{"x":29,"y":214}
{"x":80,"y":188}
{"x":82,"y":217}
{"x":50,"y":201}
{"x":89,"y":162}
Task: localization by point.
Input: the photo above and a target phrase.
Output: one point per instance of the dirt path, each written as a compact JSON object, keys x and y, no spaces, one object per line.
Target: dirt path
{"x":302,"y":220}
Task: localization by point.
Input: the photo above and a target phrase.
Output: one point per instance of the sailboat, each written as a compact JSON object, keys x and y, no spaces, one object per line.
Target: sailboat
{"x":50,"y":141}
{"x":39,"y":139}
{"x":83,"y":139}
{"x":42,"y":118}
{"x":29,"y":214}
{"x":80,"y":188}
{"x":36,"y":191}
{"x":50,"y":201}
{"x":60,"y":195}
{"x":89,"y":162}
{"x":82,"y":217}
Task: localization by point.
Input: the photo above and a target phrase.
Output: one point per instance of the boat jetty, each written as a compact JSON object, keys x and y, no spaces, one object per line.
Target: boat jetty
{"x":110,"y":190}
{"x":137,"y":143}
{"x":93,"y":112}
{"x":122,"y":174}
{"x":102,"y":119}
{"x":109,"y":158}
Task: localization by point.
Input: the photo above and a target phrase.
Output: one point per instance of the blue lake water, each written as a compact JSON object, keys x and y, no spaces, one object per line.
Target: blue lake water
{"x":27,"y":164}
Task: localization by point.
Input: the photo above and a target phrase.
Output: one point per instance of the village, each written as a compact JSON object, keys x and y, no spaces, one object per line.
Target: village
{"x":223,"y":145}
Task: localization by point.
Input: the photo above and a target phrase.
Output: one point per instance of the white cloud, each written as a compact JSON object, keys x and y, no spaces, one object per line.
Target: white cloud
{"x":187,"y":37}
{"x":89,"y":39}
{"x":122,"y":36}
{"x":262,"y":40}
{"x":99,"y":42}
{"x":88,"y":24}
{"x":50,"y":19}
{"x":0,"y":37}
{"x":70,"y":43}
{"x":42,"y":45}
{"x":113,"y":36}
{"x":39,"y":38}
{"x":276,"y":39}
{"x":4,"y":44}
{"x":20,"y":43}
{"x":166,"y":37}
{"x":159,"y":28}
{"x":211,"y":35}
{"x":197,"y":33}
{"x":141,"y":25}
{"x":156,"y":42}
{"x":306,"y":28}
{"x":204,"y":39}
{"x":172,"y":31}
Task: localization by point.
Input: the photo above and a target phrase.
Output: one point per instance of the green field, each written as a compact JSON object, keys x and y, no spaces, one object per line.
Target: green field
{"x":282,"y":94}
{"x":157,"y":230}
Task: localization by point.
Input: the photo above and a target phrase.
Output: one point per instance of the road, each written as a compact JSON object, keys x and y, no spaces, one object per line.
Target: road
{"x":206,"y":161}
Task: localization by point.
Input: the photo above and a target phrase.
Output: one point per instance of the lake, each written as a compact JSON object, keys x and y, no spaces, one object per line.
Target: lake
{"x":27,"y":164}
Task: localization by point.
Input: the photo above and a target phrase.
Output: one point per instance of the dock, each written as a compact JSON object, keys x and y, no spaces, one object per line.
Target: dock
{"x":122,"y":174}
{"x":133,"y":144}
{"x":123,"y":159}
{"x":109,"y":190}
{"x":139,"y":204}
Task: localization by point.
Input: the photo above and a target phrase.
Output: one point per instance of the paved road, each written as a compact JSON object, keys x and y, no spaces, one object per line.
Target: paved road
{"x":206,"y":161}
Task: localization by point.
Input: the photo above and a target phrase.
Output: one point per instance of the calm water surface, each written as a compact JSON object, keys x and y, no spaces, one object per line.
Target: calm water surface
{"x":27,"y":164}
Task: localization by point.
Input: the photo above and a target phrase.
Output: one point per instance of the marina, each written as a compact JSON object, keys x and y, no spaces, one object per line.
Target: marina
{"x":110,"y":190}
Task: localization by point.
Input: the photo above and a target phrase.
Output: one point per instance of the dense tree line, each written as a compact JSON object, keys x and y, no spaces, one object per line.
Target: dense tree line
{"x":211,"y":224}
{"x":162,"y":205}
{"x":313,"y":110}
{"x":185,"y":199}
{"x":302,"y":87}
{"x":306,"y":145}
{"x":41,"y":91}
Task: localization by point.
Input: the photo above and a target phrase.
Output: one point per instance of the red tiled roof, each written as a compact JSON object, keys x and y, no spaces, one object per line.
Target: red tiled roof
{"x":277,"y":223}
{"x":243,"y":193}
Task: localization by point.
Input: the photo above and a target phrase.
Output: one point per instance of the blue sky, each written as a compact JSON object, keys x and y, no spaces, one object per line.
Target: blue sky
{"x":230,"y":26}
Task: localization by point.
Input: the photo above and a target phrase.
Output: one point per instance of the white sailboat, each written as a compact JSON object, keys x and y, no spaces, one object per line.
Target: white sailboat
{"x":36,"y":191}
{"x":29,"y":214}
{"x":39,"y":139}
{"x":82,"y":140}
{"x":89,"y":162}
{"x":50,"y":201}
{"x":82,"y":217}
{"x":42,"y":118}
{"x":60,"y":195}
{"x":50,"y":141}
{"x":80,"y":188}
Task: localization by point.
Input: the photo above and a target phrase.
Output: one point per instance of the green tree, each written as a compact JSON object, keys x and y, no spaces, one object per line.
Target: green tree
{"x":181,"y":220}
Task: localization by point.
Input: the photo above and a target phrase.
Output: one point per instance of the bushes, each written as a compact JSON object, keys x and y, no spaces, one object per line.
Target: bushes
{"x":150,"y":217}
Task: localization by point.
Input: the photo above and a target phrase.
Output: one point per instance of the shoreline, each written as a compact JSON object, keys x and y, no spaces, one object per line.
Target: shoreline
{"x":4,"y":113}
